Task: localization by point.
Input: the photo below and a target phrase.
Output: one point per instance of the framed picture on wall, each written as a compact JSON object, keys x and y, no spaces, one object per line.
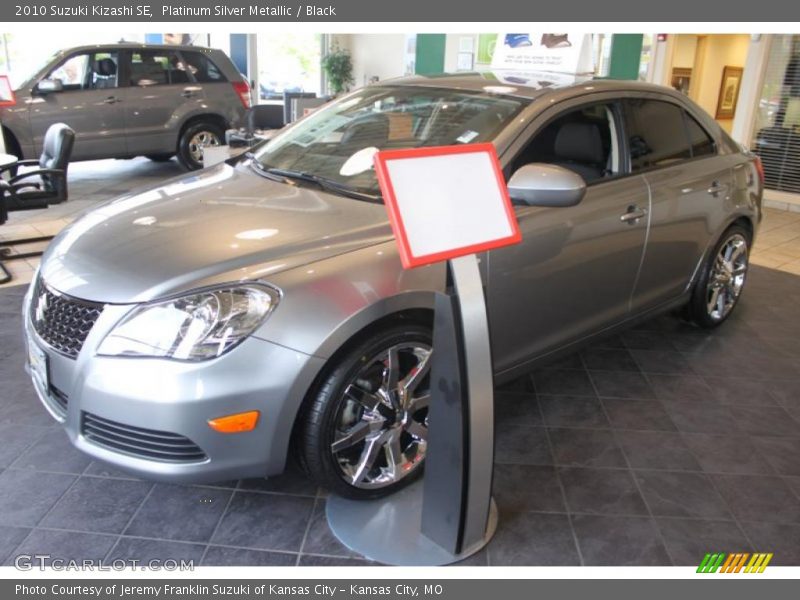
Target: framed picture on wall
{"x":729,"y":92}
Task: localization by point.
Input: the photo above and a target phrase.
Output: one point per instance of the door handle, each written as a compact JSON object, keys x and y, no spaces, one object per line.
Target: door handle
{"x":111,"y":100}
{"x":633,"y":214}
{"x":188,"y":94}
{"x":716,"y":188}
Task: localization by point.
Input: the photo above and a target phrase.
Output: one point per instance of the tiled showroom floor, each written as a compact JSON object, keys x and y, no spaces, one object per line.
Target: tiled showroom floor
{"x":650,"y":448}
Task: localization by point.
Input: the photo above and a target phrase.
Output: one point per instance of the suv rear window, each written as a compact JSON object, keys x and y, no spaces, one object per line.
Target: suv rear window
{"x":202,"y":68}
{"x":157,"y":67}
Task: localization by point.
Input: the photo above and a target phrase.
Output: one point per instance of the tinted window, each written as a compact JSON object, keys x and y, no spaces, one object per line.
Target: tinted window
{"x":202,"y":68}
{"x":701,"y":142}
{"x":91,"y":71}
{"x":584,"y":140}
{"x":157,"y":67}
{"x":656,"y":134}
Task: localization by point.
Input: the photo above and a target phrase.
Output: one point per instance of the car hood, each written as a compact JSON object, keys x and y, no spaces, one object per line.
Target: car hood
{"x":218,"y":225}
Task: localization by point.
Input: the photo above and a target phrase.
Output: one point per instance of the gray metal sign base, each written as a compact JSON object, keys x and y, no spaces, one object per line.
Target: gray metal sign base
{"x":450,"y":514}
{"x":389,"y":530}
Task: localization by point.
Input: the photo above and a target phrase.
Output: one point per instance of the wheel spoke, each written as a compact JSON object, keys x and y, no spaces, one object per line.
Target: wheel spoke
{"x":357,"y":433}
{"x":391,"y":371}
{"x":712,"y":303}
{"x":417,"y":374}
{"x":369,"y":455}
{"x":417,"y":429}
{"x":366,"y":399}
{"x":417,"y":403}
{"x":395,"y":458}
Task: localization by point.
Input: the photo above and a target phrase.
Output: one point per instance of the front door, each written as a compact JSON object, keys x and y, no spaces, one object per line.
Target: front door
{"x":89,"y":103}
{"x":575,"y":270}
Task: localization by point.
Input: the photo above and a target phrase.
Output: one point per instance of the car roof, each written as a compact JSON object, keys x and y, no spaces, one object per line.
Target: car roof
{"x":136,"y":46}
{"x":525,"y":84}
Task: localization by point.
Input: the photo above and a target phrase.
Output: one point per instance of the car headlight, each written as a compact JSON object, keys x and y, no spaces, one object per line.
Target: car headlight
{"x":197,"y":326}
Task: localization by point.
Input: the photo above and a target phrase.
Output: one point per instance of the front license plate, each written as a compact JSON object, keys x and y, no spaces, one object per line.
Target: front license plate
{"x":37,"y":360}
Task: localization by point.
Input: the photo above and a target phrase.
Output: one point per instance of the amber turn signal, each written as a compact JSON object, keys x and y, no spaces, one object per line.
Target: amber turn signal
{"x":237,"y":423}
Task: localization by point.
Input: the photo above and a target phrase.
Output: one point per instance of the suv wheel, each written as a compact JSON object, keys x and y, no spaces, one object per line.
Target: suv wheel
{"x":364,"y":434}
{"x":720,"y":285}
{"x":194,"y":139}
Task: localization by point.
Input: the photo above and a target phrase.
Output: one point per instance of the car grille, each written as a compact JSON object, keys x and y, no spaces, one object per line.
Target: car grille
{"x":136,"y":441}
{"x":61,"y":321}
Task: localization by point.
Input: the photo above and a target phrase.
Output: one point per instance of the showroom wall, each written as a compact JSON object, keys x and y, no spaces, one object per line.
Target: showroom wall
{"x":374,"y":55}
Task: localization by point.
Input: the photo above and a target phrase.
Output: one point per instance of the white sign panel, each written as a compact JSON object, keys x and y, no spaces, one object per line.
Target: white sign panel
{"x":556,"y":52}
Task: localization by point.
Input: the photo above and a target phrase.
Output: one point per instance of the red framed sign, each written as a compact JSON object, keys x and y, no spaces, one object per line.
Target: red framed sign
{"x":446,"y":201}
{"x":6,"y":92}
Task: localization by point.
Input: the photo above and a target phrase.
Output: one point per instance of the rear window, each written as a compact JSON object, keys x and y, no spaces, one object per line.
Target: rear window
{"x":203,"y":69}
{"x":158,"y":67}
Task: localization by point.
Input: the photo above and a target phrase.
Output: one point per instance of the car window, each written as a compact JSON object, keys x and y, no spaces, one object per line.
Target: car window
{"x":702,"y":144}
{"x":584,"y":140}
{"x":201,"y":67}
{"x":88,"y":71}
{"x":656,"y":134}
{"x":158,"y":67}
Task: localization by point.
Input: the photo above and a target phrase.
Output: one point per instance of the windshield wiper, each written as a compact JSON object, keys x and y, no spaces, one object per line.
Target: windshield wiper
{"x":256,"y":166}
{"x":326,"y":184}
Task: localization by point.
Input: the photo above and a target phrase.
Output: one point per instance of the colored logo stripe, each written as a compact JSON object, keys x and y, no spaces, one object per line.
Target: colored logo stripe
{"x":735,"y":562}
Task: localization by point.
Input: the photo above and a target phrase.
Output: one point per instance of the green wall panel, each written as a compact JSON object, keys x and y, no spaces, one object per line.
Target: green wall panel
{"x":626,"y":52}
{"x":430,"y":53}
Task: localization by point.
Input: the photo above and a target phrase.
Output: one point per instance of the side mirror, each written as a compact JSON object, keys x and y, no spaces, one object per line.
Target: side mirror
{"x":49,"y":86}
{"x":540,"y":184}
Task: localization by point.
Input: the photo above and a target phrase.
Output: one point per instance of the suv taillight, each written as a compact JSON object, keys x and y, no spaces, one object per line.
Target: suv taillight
{"x":243,"y":91}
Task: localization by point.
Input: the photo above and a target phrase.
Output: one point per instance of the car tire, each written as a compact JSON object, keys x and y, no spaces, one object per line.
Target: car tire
{"x":719,"y":286}
{"x":193,"y":139}
{"x":351,"y":440}
{"x":160,"y":157}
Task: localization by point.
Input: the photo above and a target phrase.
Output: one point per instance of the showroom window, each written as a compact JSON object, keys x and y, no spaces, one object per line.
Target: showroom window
{"x":158,"y":67}
{"x":776,"y":134}
{"x":657,"y":134}
{"x":89,"y":71}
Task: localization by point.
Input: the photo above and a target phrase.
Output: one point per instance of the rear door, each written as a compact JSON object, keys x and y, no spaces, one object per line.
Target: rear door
{"x":161,"y":90}
{"x":689,"y":182}
{"x":89,"y":103}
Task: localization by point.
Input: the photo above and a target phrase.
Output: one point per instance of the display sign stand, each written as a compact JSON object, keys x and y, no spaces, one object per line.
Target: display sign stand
{"x":445,"y":204}
{"x":450,"y":515}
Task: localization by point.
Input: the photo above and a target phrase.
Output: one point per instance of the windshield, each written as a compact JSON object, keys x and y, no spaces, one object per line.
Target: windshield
{"x":337,"y":142}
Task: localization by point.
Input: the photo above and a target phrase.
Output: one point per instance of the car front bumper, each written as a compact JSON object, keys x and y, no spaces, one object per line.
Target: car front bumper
{"x":150,"y":416}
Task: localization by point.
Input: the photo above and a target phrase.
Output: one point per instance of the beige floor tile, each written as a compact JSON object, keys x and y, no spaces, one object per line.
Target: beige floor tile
{"x":763,"y":261}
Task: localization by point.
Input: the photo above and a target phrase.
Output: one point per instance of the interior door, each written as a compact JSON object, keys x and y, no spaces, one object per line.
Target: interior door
{"x":89,"y":103}
{"x":689,"y":184}
{"x":576,"y":267}
{"x":161,"y":87}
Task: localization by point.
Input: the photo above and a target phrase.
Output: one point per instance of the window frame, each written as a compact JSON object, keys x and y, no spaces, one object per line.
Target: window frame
{"x":129,"y":68}
{"x":207,"y":57}
{"x":89,"y":53}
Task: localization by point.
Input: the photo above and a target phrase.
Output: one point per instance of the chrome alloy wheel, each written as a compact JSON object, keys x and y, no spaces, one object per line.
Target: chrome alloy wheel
{"x":726,"y":279}
{"x":382,"y":424}
{"x":200,"y":140}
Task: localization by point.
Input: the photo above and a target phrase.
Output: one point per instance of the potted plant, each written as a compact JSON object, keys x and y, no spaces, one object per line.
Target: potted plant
{"x":338,"y":67}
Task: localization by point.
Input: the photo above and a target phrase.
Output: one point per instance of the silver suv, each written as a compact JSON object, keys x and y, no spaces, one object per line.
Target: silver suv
{"x":125,"y":100}
{"x":213,"y":325}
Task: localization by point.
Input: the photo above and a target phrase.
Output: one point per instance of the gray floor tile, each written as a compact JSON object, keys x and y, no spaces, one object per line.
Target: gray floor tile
{"x":533,"y":539}
{"x":780,"y":539}
{"x":26,"y":496}
{"x":98,"y":505}
{"x":622,"y":384}
{"x":679,"y":387}
{"x":222,"y":556}
{"x":519,"y":488}
{"x":794,"y":484}
{"x":701,"y":417}
{"x":758,"y":498}
{"x":15,"y":440}
{"x":177,"y":512}
{"x":660,"y":361}
{"x":619,"y":541}
{"x":765,"y":420}
{"x":53,"y":452}
{"x":782,"y":453}
{"x":740,"y":390}
{"x":265,"y":521}
{"x":657,"y":450}
{"x":601,"y":491}
{"x":563,"y":382}
{"x":688,"y":540}
{"x":10,"y":538}
{"x":522,"y":445}
{"x":573,"y":411}
{"x":101,"y":469}
{"x":586,"y":448}
{"x":674,"y":494}
{"x":726,"y":454}
{"x":642,"y":416}
{"x":67,"y":545}
{"x":647,"y":340}
{"x":513,"y":408}
{"x":292,"y":481}
{"x":608,"y":359}
{"x":320,"y":538}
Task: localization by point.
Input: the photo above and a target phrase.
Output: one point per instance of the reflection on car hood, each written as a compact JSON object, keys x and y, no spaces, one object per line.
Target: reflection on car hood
{"x":218,"y":225}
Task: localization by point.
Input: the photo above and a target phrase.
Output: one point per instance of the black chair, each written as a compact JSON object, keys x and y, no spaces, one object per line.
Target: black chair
{"x":47,"y":184}
{"x":36,"y":189}
{"x":257,"y":118}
